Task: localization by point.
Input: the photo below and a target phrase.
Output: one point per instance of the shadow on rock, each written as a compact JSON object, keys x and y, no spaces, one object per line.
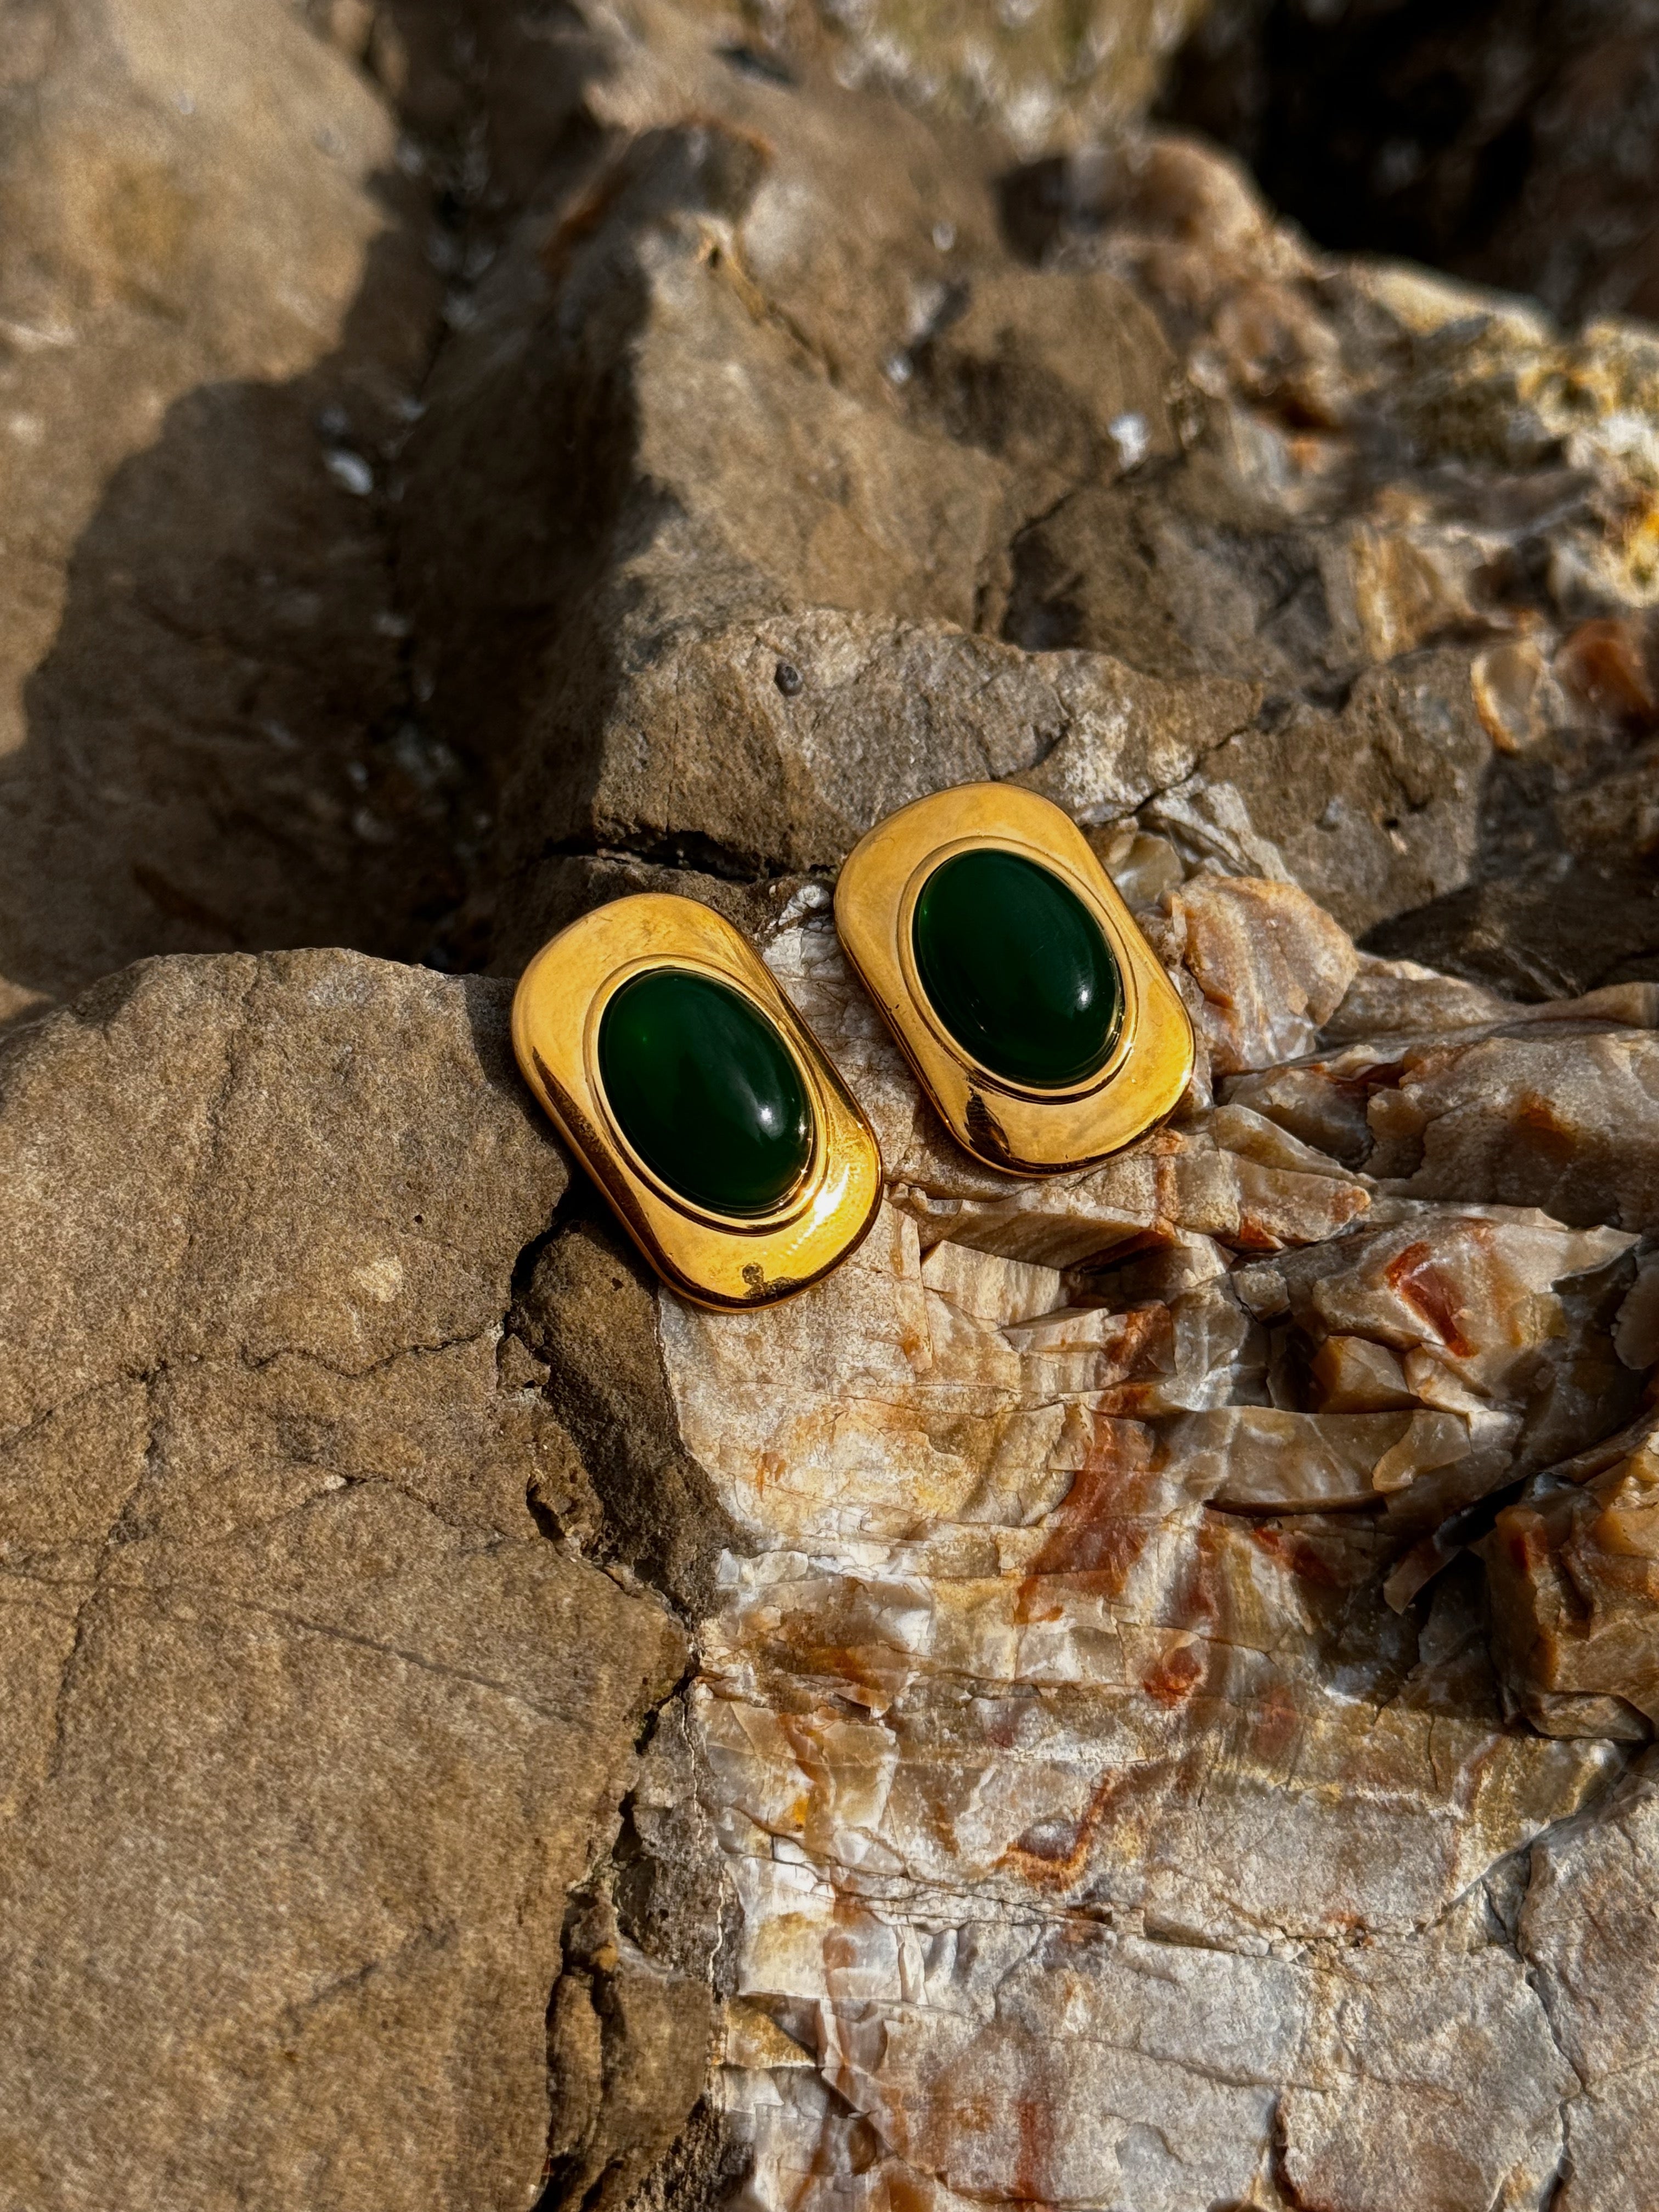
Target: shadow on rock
{"x":223,"y":746}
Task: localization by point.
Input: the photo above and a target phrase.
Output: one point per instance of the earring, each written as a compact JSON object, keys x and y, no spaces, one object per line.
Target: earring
{"x":697,"y":1099}
{"x":1035,"y":1015}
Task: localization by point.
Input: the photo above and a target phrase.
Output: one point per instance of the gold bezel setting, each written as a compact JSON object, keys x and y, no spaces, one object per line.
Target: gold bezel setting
{"x":719,"y":1260}
{"x":1020,"y":1130}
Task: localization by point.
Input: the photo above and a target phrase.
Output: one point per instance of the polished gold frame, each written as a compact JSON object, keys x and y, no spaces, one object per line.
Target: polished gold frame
{"x":1021,"y":1130}
{"x":721,"y":1261}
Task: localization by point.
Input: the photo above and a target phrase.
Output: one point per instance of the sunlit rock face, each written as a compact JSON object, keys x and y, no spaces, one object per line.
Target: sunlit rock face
{"x":1163,"y":1660}
{"x":1097,"y":1714}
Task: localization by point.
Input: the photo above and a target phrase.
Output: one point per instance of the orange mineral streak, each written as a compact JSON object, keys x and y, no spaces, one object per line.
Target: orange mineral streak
{"x":863,"y":1675}
{"x":1605,"y":662}
{"x":1055,"y":1854}
{"x":1547,"y":1135}
{"x":1412,"y":1274}
{"x":1275,"y":1722}
{"x":1525,"y":1536}
{"x":1101,"y":1526}
{"x":1252,"y":1234}
{"x":902,"y":2190}
{"x":1176,"y":1676}
{"x":1166,"y":1184}
{"x":1036,"y":2122}
{"x":1294,"y":1553}
{"x":808,"y":1750}
{"x":1196,"y":1598}
{"x":1144,"y":1350}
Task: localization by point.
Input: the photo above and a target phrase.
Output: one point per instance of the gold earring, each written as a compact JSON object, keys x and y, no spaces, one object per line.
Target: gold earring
{"x":697,"y":1099}
{"x":1034,"y":1012}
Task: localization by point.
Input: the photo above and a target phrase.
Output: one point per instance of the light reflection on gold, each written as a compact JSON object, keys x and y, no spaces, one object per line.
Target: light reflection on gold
{"x":1021,"y":1131}
{"x":717,"y":1260}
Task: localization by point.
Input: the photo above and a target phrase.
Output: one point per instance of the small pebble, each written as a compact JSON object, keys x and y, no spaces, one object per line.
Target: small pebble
{"x":351,"y":470}
{"x":1131,"y":439}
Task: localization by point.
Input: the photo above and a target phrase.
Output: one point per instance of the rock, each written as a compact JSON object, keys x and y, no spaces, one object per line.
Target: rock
{"x":1275,"y":964}
{"x":981,"y":1454}
{"x":1587,"y":1927}
{"x":1014,"y":1567}
{"x":962,"y":496}
{"x":1137,"y":1458}
{"x":1130,"y":1693}
{"x":848,"y":385}
{"x":1473,"y":142}
{"x":1387,"y":815}
{"x":202,"y":684}
{"x":875,"y":714}
{"x":1572,"y":1568}
{"x":1514,"y":1111}
{"x":586,"y":1315}
{"x":795,"y":617}
{"x":290,"y":1667}
{"x":1046,"y":73}
{"x":1438,"y":2013}
{"x":629,"y":2049}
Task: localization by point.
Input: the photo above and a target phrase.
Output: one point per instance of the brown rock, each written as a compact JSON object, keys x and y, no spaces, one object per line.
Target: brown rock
{"x":588,"y":1311}
{"x":1118,"y":1742}
{"x":829,"y":721}
{"x":740,"y":631}
{"x":629,"y":2049}
{"x":309,"y":1728}
{"x":1476,"y":141}
{"x":1068,"y":372}
{"x":1587,"y":1927}
{"x":1376,"y":809}
{"x":201,"y":675}
{"x":1269,"y":964}
{"x":1574,"y":1568}
{"x":1046,"y":73}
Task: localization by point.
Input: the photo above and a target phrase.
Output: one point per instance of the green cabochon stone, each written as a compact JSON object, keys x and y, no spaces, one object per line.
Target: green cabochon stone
{"x":704,"y":1089}
{"x":1018,"y":968}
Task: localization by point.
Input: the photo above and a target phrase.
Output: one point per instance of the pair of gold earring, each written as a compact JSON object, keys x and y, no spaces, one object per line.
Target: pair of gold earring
{"x":1031,"y":1009}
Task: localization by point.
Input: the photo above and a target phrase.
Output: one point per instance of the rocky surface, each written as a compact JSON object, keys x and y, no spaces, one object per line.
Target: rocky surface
{"x":1515,"y":144}
{"x":1122,"y":1798}
{"x":198,"y":643}
{"x":308,"y":1729}
{"x":874,"y":424}
{"x":1136,"y":1691}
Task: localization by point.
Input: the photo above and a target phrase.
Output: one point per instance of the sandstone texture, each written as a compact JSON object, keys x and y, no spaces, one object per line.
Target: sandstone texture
{"x":1139,"y":1692}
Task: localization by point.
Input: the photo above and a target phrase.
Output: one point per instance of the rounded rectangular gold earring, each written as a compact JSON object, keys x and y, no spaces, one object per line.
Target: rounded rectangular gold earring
{"x":1035,"y":1015}
{"x":697,"y":1099}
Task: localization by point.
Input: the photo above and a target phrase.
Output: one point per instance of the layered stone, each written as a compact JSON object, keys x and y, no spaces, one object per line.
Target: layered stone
{"x":1018,"y":968}
{"x":705,"y":1089}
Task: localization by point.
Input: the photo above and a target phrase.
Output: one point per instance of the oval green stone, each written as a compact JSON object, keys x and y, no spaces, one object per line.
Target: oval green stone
{"x":1018,"y":968}
{"x":704,"y":1088}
